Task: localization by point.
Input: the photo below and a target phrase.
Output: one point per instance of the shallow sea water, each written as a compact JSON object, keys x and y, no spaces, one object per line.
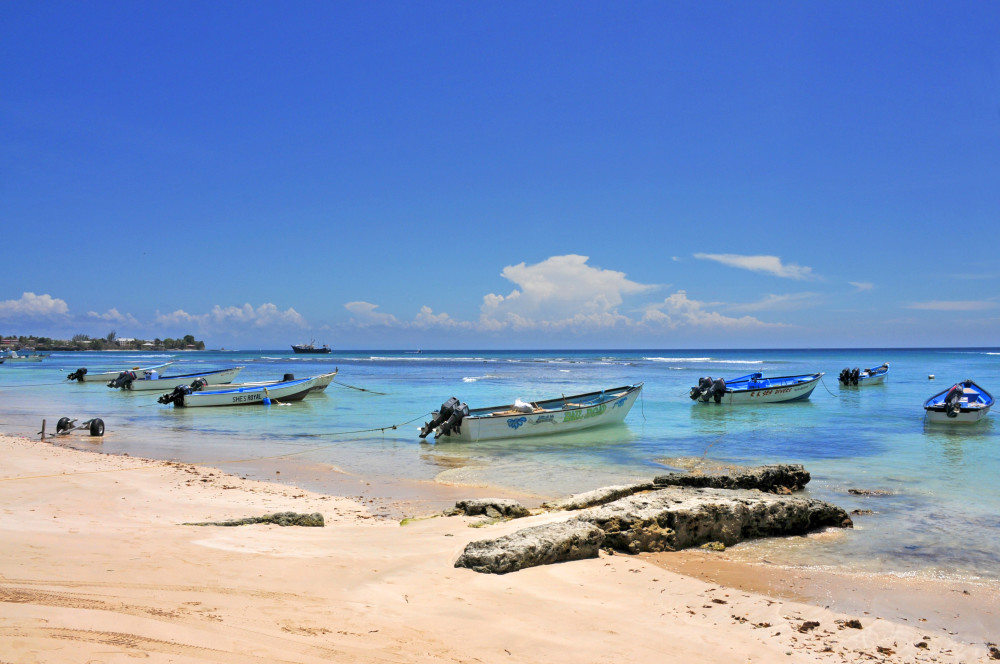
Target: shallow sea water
{"x":941,"y":517}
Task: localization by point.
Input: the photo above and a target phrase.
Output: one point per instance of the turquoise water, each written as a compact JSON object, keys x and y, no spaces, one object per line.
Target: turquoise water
{"x":942,"y":516}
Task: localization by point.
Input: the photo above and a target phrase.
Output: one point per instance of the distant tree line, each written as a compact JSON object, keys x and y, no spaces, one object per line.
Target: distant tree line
{"x":110,"y":341}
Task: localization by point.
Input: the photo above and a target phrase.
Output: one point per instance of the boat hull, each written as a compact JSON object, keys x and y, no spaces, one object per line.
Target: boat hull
{"x":552,"y":418}
{"x":143,"y":383}
{"x":255,"y":395}
{"x":965,"y":415}
{"x":769,"y":393}
{"x":311,"y":350}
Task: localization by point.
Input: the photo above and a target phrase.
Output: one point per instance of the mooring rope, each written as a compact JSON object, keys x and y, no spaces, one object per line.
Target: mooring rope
{"x":359,"y":389}
{"x":835,"y":396}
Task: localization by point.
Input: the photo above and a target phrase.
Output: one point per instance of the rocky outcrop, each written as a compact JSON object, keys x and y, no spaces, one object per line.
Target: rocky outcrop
{"x":778,"y":478}
{"x":677,"y":518}
{"x":495,"y":508}
{"x":598,"y":496}
{"x":314,"y":520}
{"x":540,"y":545}
{"x":667,"y":519}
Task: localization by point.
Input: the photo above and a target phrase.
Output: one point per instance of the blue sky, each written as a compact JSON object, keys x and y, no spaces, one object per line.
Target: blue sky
{"x":502,"y":175}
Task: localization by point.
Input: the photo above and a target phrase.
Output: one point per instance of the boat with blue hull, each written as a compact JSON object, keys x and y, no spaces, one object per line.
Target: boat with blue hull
{"x":962,"y":403}
{"x":863,"y":377}
{"x":754,"y":388}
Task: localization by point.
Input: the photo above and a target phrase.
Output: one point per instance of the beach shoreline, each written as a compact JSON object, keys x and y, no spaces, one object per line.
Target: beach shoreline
{"x":95,"y":565}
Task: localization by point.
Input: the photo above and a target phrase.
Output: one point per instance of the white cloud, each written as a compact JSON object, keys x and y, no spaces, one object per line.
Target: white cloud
{"x":558,"y":292}
{"x":773,"y":302}
{"x":678,"y":310}
{"x":768,"y":264}
{"x":114,"y":316}
{"x":266,"y":315}
{"x":34,"y":306}
{"x":862,"y":285}
{"x":954,"y":305}
{"x":366,"y":315}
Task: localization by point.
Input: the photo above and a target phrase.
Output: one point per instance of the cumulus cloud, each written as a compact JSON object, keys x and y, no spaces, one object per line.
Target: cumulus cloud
{"x":679,"y":310}
{"x":34,"y":306}
{"x":558,"y":292}
{"x":266,"y":315}
{"x":114,"y":316}
{"x":365,"y":314}
{"x":767,"y":264}
{"x":954,"y":305}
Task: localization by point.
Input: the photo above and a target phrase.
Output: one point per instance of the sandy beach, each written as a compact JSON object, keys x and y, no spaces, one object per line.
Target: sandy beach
{"x":97,"y":566}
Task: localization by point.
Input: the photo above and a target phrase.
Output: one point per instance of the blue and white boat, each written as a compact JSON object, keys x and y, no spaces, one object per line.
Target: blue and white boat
{"x":456,"y":421}
{"x":147,"y":381}
{"x":862,"y":377}
{"x":961,"y":403}
{"x":189,"y":396}
{"x":754,"y":388}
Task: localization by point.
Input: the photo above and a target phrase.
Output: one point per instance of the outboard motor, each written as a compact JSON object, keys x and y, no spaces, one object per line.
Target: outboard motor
{"x":855,"y":375}
{"x":124,"y":379}
{"x":952,"y":401}
{"x":718,"y":389}
{"x":288,"y":377}
{"x":455,"y":421}
{"x":78,"y":374}
{"x":704,"y":384}
{"x":447,"y":408}
{"x":845,"y":376}
{"x":175,"y":397}
{"x":197,"y":384}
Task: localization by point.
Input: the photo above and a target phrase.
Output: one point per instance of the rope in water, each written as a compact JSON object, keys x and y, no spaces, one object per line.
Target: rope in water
{"x":835,"y":396}
{"x":359,"y":389}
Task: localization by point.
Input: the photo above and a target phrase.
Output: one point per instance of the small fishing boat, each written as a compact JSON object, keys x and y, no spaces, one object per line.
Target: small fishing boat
{"x":145,"y":381}
{"x":13,"y":356}
{"x":311,"y":348}
{"x":961,"y":403}
{"x":754,"y":388}
{"x":190,"y":396}
{"x":861,"y":377}
{"x":456,"y":421}
{"x":81,"y":375}
{"x":322,"y":381}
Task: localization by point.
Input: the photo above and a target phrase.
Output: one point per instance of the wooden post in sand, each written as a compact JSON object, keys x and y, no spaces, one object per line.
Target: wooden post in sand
{"x":43,"y":430}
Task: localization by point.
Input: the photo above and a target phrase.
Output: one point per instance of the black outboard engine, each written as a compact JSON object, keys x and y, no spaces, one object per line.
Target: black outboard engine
{"x":177,"y":396}
{"x":447,"y":408}
{"x":704,"y":384}
{"x":855,"y":375}
{"x":78,"y":374}
{"x":124,"y":379}
{"x":952,"y":401}
{"x":455,"y":421}
{"x":197,"y":384}
{"x":288,"y":377}
{"x":718,"y":389}
{"x":845,"y":376}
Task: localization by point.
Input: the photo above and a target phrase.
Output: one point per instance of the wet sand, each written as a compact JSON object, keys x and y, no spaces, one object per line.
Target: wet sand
{"x":95,"y":565}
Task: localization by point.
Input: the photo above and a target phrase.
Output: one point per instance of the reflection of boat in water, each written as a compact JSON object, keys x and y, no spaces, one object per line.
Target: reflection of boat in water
{"x":311,"y":348}
{"x":864,"y":377}
{"x":961,"y":403}
{"x":456,"y":421}
{"x":754,"y":388}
